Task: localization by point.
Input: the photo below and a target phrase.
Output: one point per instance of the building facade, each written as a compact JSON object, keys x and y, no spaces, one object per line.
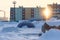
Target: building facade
{"x":12,"y":14}
{"x":36,"y":13}
{"x":17,"y":15}
{"x":55,"y":10}
{"x":25,"y":13}
{"x":28,"y":13}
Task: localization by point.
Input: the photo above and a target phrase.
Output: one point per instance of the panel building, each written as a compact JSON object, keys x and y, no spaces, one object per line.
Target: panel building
{"x":25,"y":13}
{"x":29,"y":13}
{"x":18,"y":13}
{"x":55,"y":10}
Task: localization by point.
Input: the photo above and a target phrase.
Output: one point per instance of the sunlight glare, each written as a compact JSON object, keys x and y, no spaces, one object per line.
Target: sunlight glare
{"x":47,"y":13}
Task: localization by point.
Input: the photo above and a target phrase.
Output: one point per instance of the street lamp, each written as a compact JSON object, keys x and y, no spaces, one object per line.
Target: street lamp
{"x":14,"y":2}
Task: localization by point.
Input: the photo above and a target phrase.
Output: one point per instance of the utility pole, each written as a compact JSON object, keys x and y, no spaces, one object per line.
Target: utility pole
{"x":14,"y":2}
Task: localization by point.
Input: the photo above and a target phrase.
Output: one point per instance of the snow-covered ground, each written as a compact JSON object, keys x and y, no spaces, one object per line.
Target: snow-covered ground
{"x":53,"y":34}
{"x":10,"y":31}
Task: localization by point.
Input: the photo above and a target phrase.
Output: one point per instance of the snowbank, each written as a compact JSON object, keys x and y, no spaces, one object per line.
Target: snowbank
{"x":53,"y":34}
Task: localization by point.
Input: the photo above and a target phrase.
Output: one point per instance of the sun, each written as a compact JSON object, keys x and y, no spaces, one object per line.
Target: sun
{"x":47,"y":13}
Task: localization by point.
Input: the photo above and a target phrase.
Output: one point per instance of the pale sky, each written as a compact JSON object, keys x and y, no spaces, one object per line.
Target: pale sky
{"x":6,"y":4}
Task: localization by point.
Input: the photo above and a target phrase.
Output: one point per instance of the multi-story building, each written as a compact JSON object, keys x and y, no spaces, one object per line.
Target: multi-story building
{"x":28,"y":13}
{"x":18,"y":13}
{"x":55,"y":10}
{"x":12,"y":14}
{"x":36,"y":12}
{"x":25,"y":13}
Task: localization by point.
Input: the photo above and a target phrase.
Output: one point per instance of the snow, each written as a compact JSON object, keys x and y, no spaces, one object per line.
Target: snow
{"x":17,"y":36}
{"x":38,"y":24}
{"x":22,"y":30}
{"x":10,"y":31}
{"x":53,"y":34}
{"x":54,"y":23}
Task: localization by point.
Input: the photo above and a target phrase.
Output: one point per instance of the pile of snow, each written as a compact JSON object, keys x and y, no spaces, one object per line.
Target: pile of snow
{"x":53,"y":34}
{"x":38,"y":24}
{"x":52,"y":19}
{"x":53,"y":23}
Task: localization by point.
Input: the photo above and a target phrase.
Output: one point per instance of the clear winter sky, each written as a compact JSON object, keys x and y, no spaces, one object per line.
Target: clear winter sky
{"x":6,"y":4}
